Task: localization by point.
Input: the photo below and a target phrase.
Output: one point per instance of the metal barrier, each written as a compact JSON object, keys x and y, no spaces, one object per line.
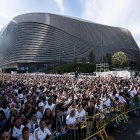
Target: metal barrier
{"x":116,"y":115}
{"x":96,"y":125}
{"x":79,"y":134}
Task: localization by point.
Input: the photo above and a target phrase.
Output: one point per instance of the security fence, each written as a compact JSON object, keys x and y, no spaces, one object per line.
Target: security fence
{"x":95,"y":126}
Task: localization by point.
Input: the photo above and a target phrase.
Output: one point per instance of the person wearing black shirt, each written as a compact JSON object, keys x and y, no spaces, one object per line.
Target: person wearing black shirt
{"x":90,"y":109}
{"x":90,"y":112}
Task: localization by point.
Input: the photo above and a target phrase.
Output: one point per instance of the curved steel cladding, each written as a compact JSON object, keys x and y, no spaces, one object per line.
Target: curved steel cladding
{"x":37,"y":42}
{"x":48,"y":38}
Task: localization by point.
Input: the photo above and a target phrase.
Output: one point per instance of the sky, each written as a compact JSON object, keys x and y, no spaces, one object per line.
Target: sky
{"x":120,"y":13}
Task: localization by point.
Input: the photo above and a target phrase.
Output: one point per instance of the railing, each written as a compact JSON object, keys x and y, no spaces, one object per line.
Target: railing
{"x":96,"y":125}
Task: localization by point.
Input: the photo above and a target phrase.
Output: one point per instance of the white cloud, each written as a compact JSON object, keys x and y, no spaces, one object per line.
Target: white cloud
{"x":7,"y":17}
{"x":138,"y":43}
{"x":60,"y":4}
{"x":122,"y":13}
{"x":106,"y":12}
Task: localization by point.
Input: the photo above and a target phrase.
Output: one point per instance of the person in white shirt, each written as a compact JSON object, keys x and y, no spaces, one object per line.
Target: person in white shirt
{"x":121,"y":99}
{"x":26,"y":135}
{"x":21,"y":97}
{"x":80,"y":114}
{"x":71,"y":120}
{"x":133,"y":92}
{"x":99,"y":108}
{"x":99,"y":105}
{"x":42,"y":133}
{"x":49,"y":127}
{"x":49,"y":104}
{"x":6,"y":109}
{"x":33,"y":123}
{"x":40,"y":111}
{"x":16,"y":131}
{"x":107,"y":102}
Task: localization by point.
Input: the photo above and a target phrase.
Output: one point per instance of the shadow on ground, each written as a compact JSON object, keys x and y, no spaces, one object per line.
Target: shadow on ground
{"x":126,"y":131}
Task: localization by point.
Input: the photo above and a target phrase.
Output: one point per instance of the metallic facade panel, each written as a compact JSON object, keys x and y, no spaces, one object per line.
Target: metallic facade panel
{"x":49,"y":38}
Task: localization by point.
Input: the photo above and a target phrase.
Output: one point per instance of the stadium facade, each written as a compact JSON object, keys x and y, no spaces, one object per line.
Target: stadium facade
{"x":36,"y":40}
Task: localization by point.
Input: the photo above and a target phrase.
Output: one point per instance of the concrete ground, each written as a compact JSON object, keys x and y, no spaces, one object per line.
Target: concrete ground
{"x":126,"y":131}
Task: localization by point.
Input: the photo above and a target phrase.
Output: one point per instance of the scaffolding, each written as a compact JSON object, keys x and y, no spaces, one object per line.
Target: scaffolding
{"x":102,"y":67}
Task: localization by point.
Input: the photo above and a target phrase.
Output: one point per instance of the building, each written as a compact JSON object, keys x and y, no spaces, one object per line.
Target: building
{"x":37,"y":40}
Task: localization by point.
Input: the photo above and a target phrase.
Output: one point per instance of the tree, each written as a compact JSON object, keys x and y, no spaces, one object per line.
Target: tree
{"x":91,"y":57}
{"x":108,"y":58}
{"x":119,"y":59}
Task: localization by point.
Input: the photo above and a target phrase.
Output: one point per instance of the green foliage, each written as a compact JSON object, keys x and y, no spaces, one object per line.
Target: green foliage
{"x":84,"y":68}
{"x":119,"y":59}
{"x":108,"y":58}
{"x":91,"y":57}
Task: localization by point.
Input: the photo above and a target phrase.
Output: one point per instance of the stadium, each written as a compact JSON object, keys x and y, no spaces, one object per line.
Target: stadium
{"x":39,"y":40}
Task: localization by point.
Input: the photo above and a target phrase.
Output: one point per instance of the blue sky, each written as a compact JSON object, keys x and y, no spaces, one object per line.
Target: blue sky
{"x":121,"y":13}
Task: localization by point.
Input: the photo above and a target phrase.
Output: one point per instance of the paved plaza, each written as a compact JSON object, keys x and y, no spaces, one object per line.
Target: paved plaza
{"x":128,"y":131}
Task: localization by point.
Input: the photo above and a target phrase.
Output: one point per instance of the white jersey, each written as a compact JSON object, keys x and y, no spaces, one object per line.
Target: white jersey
{"x":80,"y":115}
{"x":70,"y":120}
{"x":31,"y":137}
{"x":17,"y":132}
{"x":107,"y":102}
{"x":41,"y":135}
{"x":133,"y":93}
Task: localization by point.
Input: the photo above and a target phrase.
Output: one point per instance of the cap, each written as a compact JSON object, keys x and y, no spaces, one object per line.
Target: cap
{"x":40,"y":104}
{"x":20,"y":96}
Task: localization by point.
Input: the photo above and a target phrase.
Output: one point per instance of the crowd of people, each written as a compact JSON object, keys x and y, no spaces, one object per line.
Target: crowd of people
{"x":34,"y":107}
